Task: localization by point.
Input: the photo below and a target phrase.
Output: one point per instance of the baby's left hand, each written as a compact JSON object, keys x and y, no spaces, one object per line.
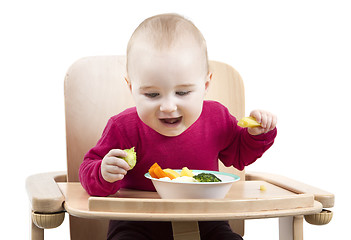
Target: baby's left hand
{"x":267,"y":120}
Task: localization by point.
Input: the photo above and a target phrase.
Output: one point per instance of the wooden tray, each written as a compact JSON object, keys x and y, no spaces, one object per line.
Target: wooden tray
{"x":244,"y":200}
{"x":242,"y":197}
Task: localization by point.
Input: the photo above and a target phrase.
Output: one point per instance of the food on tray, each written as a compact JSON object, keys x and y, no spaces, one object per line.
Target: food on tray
{"x":156,"y":171}
{"x":131,"y":157}
{"x":248,"y":122}
{"x":184,"y":179}
{"x":263,"y":188}
{"x":186,"y":172}
{"x":185,"y":175}
{"x":207,"y":177}
{"x":171,"y":173}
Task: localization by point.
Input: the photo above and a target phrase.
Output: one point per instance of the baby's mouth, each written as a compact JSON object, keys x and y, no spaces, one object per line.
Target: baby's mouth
{"x":171,"y":121}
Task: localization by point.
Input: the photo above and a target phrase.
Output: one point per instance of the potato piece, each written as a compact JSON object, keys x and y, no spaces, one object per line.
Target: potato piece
{"x":248,"y":122}
{"x":186,"y":172}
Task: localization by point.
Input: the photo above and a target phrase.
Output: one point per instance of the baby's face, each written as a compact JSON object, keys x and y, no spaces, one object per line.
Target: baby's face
{"x":168,"y":87}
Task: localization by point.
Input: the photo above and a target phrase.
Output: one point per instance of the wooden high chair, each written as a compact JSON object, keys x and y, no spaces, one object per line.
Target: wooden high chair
{"x":95,"y":90}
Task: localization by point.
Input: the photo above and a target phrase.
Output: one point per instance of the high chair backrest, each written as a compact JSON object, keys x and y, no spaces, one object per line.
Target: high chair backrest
{"x":95,"y":90}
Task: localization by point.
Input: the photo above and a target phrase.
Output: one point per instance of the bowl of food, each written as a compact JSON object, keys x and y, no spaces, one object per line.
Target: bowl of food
{"x":190,"y":184}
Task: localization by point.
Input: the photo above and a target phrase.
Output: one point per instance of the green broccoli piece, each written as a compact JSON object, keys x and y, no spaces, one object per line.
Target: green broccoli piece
{"x":131,"y":157}
{"x":207,"y":177}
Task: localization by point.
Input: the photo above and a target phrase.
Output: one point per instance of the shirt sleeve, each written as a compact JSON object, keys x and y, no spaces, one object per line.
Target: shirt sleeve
{"x":241,"y":148}
{"x":90,"y":170}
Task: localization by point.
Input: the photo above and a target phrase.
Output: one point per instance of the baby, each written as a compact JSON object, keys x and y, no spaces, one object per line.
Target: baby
{"x":168,"y":76}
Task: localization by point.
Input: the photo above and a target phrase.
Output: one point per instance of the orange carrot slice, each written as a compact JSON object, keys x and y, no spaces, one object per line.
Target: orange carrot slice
{"x":151,"y":170}
{"x":152,"y":173}
{"x":159,"y":172}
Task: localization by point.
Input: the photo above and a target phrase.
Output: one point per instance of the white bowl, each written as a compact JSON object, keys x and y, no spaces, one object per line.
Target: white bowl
{"x":195,"y":190}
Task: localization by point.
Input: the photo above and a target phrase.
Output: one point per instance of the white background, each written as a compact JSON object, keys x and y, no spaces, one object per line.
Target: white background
{"x":294,"y":57}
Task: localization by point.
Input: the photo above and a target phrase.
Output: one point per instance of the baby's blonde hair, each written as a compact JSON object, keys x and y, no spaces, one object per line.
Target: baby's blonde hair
{"x":165,"y":30}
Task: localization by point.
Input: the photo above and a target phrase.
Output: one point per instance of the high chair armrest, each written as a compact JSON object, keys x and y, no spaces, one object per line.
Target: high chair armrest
{"x":324,"y":197}
{"x":44,"y":194}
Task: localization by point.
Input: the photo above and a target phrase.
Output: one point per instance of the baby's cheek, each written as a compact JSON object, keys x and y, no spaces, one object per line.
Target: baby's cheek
{"x":143,"y":114}
{"x":147,"y":114}
{"x":192,"y":115}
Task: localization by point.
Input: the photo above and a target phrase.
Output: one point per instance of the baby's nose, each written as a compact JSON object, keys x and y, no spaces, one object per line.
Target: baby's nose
{"x":168,"y":106}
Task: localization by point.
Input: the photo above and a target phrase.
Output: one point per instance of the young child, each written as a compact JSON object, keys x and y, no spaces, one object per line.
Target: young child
{"x":168,"y":76}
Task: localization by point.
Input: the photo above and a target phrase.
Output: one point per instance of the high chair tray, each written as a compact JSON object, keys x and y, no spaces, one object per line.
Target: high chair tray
{"x":244,"y":200}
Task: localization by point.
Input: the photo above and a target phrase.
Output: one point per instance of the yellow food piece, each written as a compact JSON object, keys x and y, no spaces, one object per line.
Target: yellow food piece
{"x":131,"y":157}
{"x":263,"y":188}
{"x":248,"y":122}
{"x":171,"y":172}
{"x":186,"y":172}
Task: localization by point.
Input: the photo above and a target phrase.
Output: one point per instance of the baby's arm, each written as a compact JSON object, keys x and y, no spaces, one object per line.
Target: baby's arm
{"x":267,"y":120}
{"x":98,"y":178}
{"x":113,"y":168}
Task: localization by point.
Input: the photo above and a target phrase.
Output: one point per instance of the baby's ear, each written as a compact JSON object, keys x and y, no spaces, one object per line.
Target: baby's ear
{"x":208,"y":80}
{"x":128,"y":82}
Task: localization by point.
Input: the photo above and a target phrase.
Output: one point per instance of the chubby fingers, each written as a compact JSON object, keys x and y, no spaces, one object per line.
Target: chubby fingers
{"x":267,"y":120}
{"x":114,"y":168}
{"x":116,"y":153}
{"x":114,"y":158}
{"x":116,"y":165}
{"x":273,"y":123}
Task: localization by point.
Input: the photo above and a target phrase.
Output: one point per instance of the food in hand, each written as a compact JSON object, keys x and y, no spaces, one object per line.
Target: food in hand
{"x":131,"y":157}
{"x":248,"y":122}
{"x":186,"y":175}
{"x":207,"y":177}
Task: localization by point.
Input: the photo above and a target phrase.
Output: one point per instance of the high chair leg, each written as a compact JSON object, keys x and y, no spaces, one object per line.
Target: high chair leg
{"x":36,"y":233}
{"x":291,"y":228}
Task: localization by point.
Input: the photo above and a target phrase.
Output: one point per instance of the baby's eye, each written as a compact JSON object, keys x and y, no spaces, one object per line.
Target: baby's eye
{"x":183,"y":93}
{"x":151,"y":95}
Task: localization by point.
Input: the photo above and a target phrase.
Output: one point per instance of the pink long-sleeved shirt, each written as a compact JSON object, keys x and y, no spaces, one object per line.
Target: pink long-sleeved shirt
{"x":215,"y":135}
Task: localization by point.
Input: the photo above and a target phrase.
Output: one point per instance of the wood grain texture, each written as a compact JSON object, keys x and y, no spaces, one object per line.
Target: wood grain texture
{"x":43,"y":192}
{"x":241,"y":203}
{"x":324,"y":197}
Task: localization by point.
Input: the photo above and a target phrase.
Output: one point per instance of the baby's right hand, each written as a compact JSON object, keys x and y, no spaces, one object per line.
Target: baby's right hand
{"x":113,"y":168}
